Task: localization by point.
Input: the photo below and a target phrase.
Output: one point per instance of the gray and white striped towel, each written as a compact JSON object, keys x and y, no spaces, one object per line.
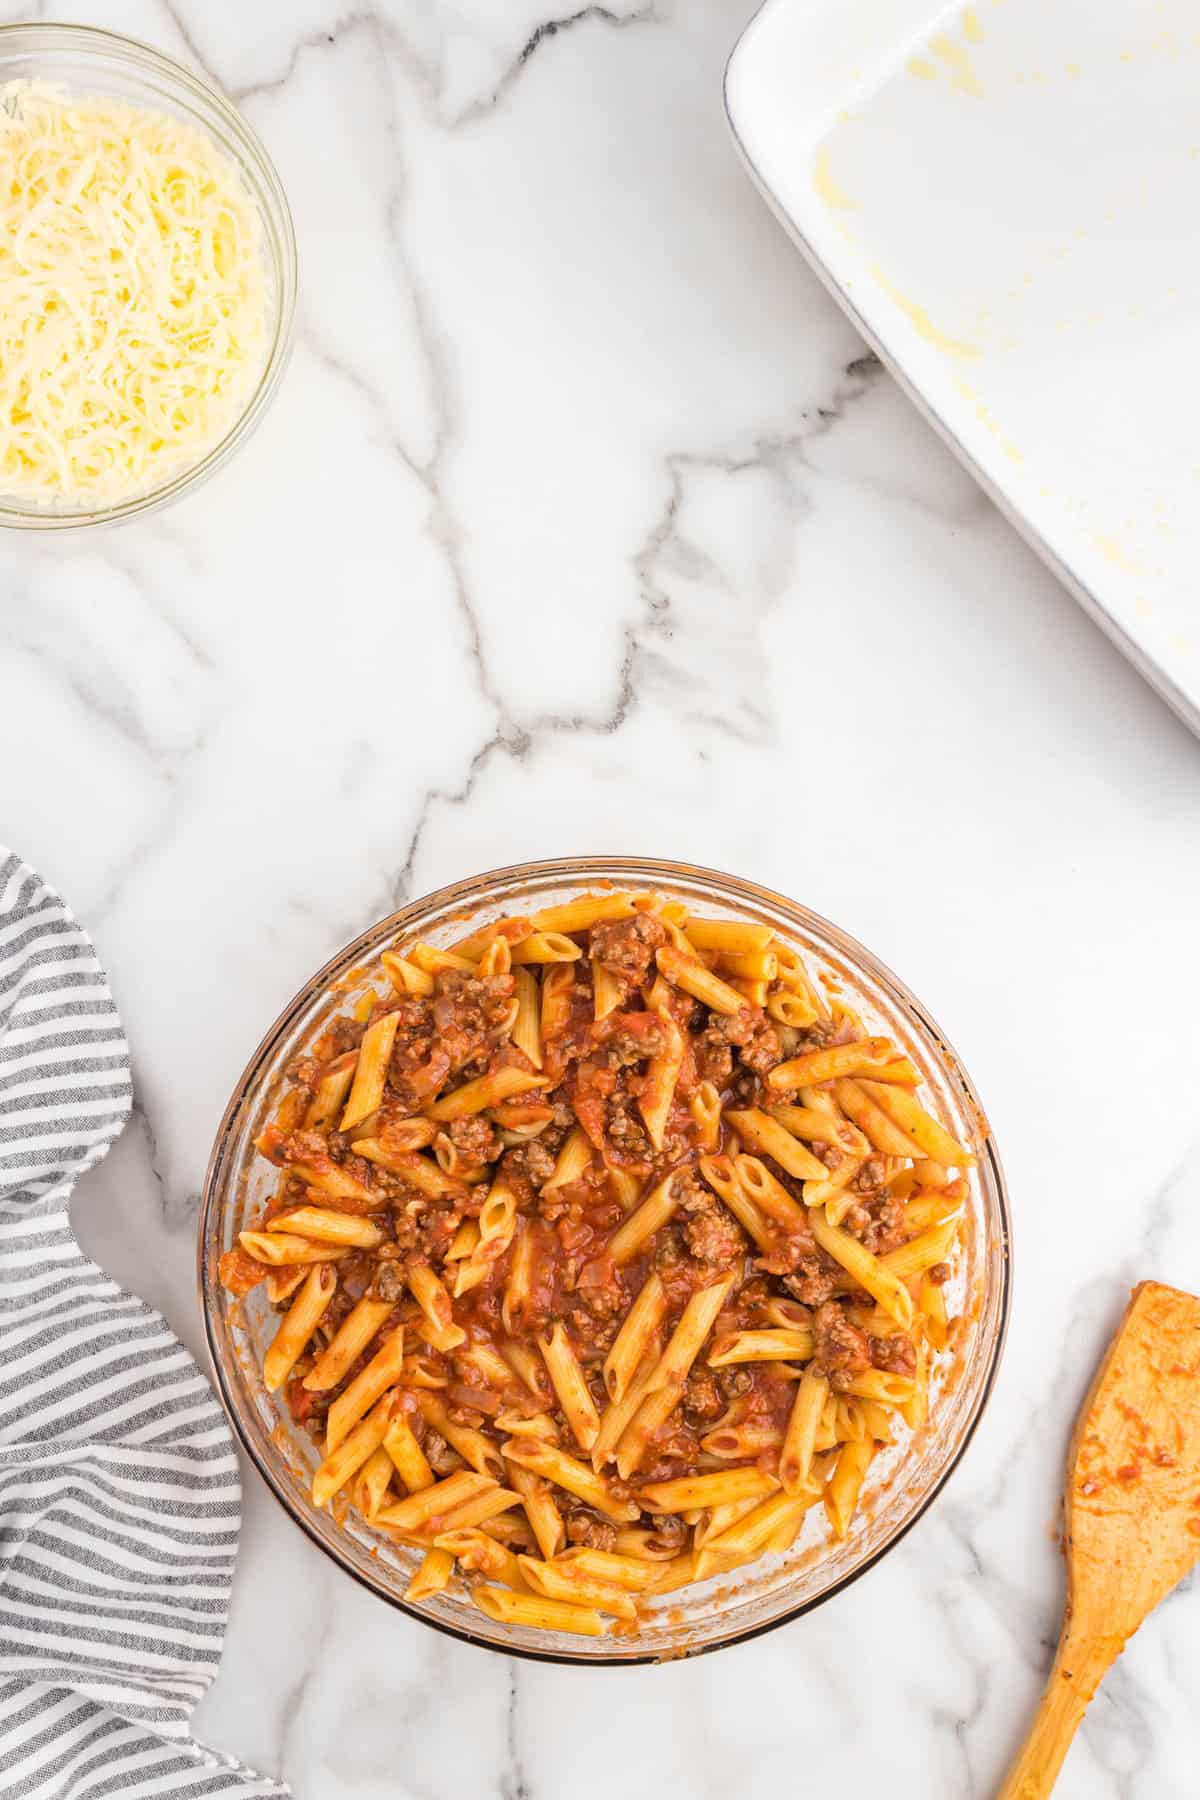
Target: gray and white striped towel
{"x":119,"y":1494}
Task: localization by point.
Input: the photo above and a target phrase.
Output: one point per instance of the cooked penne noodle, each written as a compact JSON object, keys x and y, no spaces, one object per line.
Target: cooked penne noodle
{"x":406,"y":1455}
{"x":435,"y":1570}
{"x":719,"y":1173}
{"x":749,"y":965}
{"x":482,"y":1555}
{"x":881,"y":1386}
{"x":583,"y":912}
{"x":497,"y":1221}
{"x":765,"y":1134}
{"x":821,"y":1127}
{"x":511,"y":929}
{"x":733,"y":1443}
{"x":281,"y":1284}
{"x":915,"y":1409}
{"x":659,"y":1083}
{"x":637,"y":1542}
{"x":792,"y":1009}
{"x":531,"y":1609}
{"x":298,"y":1324}
{"x":650,"y":1217}
{"x":924,"y":1252}
{"x":761,"y":1346}
{"x":748,"y":1534}
{"x":844,"y":1485}
{"x":434,"y":1302}
{"x":865,"y":1269}
{"x":568,"y":1381}
{"x":434,"y":961}
{"x":632,"y":1342}
{"x":545,"y":947}
{"x":370,"y":1485}
{"x":800,"y":1438}
{"x":730,"y":937}
{"x":634,"y":1573}
{"x":329,"y":1177}
{"x":327,"y":1227}
{"x":705,"y":1108}
{"x":832,"y":1191}
{"x":607,"y":991}
{"x":932,"y":1303}
{"x":486,"y":1090}
{"x":867,"y":1056}
{"x":406,"y":977}
{"x":566,"y":1472}
{"x":554,"y":1583}
{"x":625,"y":1187}
{"x":618,"y":1413}
{"x":715,"y":1489}
{"x":695,"y":1323}
{"x":574,"y":1156}
{"x":557,"y":985}
{"x":527,"y":1031}
{"x":919,"y":1125}
{"x":769,"y":1195}
{"x":420,"y":1172}
{"x":347,"y":1345}
{"x":349,"y":1455}
{"x":872,"y":1121}
{"x":541,"y":1509}
{"x":370,"y":1074}
{"x":368,"y":1386}
{"x":537,"y":1425}
{"x":472,"y":1445}
{"x":329,"y":1095}
{"x":283,"y":1249}
{"x":436,"y":1502}
{"x":464,"y":1242}
{"x":518,"y":1287}
{"x":689,"y":974}
{"x":478,"y":1510}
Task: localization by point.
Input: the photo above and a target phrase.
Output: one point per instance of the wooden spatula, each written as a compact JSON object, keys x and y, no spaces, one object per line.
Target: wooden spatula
{"x":1132,"y":1512}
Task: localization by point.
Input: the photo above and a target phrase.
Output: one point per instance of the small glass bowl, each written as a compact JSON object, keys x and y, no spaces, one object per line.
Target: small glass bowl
{"x":87,"y":61}
{"x":902,"y":1482}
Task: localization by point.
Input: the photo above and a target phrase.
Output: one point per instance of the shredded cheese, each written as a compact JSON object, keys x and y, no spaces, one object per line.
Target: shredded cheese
{"x":132,"y":296}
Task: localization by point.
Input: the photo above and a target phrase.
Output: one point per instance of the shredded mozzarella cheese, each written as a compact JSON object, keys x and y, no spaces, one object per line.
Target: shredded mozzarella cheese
{"x":132,"y":296}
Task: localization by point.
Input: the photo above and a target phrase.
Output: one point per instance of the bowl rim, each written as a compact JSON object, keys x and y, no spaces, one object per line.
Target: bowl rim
{"x":281,"y":256}
{"x":568,"y":867}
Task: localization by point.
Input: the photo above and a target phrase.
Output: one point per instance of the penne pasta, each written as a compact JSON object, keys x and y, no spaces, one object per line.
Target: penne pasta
{"x":438,"y":1501}
{"x":659,"y":1082}
{"x":325,"y":1227}
{"x":573,"y":1476}
{"x":867,"y":1056}
{"x":486,"y":1090}
{"x":568,"y":1381}
{"x":650,"y":1216}
{"x":545,"y":947}
{"x":527,"y":1028}
{"x":632,"y":1342}
{"x":765,"y":1134}
{"x":800,"y":1438}
{"x":432,"y":1576}
{"x":381,"y":1373}
{"x":555,"y":1583}
{"x":347,"y":1345}
{"x":349,"y":1455}
{"x":761,"y":1346}
{"x":688,"y":973}
{"x":299,"y":1322}
{"x":531,"y":1609}
{"x":370,"y":1073}
{"x":717,"y":1488}
{"x":845,"y":1483}
{"x":920,"y":1126}
{"x":406,"y":1455}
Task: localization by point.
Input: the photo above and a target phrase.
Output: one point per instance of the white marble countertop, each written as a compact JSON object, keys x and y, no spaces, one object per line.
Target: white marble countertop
{"x":582,"y":523}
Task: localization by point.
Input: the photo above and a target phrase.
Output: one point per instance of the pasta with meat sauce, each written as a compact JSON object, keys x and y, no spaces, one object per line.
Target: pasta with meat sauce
{"x":606,"y":1244}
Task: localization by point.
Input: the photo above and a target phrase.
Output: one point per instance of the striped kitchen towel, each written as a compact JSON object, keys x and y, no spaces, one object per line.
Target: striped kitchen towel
{"x":119,"y":1494}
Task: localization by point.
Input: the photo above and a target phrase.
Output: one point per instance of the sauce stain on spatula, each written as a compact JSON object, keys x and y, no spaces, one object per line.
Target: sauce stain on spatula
{"x":1132,"y":1513}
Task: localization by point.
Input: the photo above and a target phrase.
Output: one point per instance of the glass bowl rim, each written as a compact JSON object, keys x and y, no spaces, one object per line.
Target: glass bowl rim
{"x":594,"y":868}
{"x":236,"y":137}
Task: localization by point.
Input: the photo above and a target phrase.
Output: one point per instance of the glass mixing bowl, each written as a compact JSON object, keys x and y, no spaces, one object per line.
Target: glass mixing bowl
{"x":902,"y":1481}
{"x":86,"y":61}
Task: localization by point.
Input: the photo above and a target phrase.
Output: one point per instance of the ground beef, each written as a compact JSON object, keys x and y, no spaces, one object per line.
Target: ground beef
{"x":387,"y":1283}
{"x":840,"y":1347}
{"x":879,"y":1223}
{"x":940,"y":1274}
{"x":895,"y":1354}
{"x":627,"y":946}
{"x":438,"y":1454}
{"x":586,"y":1528}
{"x":625,"y":1132}
{"x":468,"y":1013}
{"x":762,"y":1049}
{"x":670,"y":1529}
{"x":702,"y":1398}
{"x":532,"y":1162}
{"x":632,"y":1039}
{"x":475,"y":1138}
{"x":871,"y":1176}
{"x":714,"y":1059}
{"x":345,"y":1034}
{"x":734,"y":1382}
{"x":714,"y":1237}
{"x":812,"y":1280}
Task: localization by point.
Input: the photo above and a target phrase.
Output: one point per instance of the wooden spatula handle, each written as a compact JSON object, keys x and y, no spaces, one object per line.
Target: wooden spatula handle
{"x":1076,"y":1674}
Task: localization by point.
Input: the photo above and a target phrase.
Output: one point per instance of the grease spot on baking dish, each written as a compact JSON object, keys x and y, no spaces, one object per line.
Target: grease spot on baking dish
{"x":972,"y":29}
{"x":826,"y":186}
{"x":963,"y":78}
{"x":921,"y":322}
